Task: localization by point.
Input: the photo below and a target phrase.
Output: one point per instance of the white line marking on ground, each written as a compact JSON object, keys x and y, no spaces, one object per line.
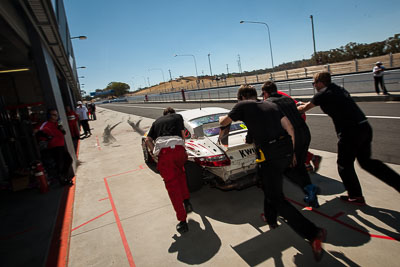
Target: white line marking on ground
{"x":308,"y":114}
{"x":371,"y":117}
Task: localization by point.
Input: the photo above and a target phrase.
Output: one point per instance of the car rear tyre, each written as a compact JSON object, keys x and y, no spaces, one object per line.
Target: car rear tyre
{"x":194,"y":176}
{"x":146,"y":155}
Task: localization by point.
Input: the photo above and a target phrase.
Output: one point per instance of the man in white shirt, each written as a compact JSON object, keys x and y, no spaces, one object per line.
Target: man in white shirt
{"x":378,"y":77}
{"x":82,"y":112}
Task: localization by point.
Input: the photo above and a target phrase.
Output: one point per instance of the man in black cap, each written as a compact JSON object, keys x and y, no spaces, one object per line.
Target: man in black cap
{"x":297,"y":174}
{"x":355,"y":137}
{"x":273,"y":133}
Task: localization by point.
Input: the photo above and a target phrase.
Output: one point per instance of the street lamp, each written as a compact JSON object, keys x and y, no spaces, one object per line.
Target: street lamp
{"x":81,"y":77}
{"x":209,"y":63}
{"x":313,"y":38}
{"x":81,"y":37}
{"x":269,"y":36}
{"x":83,"y":67}
{"x":194,"y":58}
{"x":162,"y":72}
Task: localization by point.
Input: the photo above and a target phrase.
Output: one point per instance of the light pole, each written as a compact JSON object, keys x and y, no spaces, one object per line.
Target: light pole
{"x":162,"y":72}
{"x":194,"y":58}
{"x":209,"y":62}
{"x":269,"y":37}
{"x":313,"y":38}
{"x":81,"y":37}
{"x":83,"y":67}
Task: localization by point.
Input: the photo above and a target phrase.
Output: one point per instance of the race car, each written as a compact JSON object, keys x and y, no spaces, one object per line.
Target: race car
{"x":215,"y":154}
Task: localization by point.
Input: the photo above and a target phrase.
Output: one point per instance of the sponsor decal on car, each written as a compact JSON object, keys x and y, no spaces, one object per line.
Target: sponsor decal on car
{"x":247,"y":152}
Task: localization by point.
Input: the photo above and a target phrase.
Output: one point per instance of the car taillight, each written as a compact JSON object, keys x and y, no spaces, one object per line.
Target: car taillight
{"x":213,"y":161}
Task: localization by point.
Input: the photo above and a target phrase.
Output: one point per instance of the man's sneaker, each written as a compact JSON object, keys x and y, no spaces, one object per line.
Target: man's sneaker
{"x":309,"y":168}
{"x":182,"y":227}
{"x":354,"y":200}
{"x":311,"y":195}
{"x":316,"y":160}
{"x":316,"y":244}
{"x":272,"y":225}
{"x":188,"y":206}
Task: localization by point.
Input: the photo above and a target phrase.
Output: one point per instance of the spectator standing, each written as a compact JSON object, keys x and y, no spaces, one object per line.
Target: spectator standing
{"x":83,"y":114}
{"x":54,"y":133}
{"x":298,"y":174}
{"x":92,"y":111}
{"x":378,"y":71}
{"x":73,"y":121}
{"x":166,"y":139}
{"x":355,"y":137}
{"x":273,"y":133}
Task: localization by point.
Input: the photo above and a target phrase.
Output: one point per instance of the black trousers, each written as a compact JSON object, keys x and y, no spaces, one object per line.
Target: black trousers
{"x":299,"y":174}
{"x":379,"y":81}
{"x":63,"y":162}
{"x":274,"y":200}
{"x":85,"y":126}
{"x":356,"y":143}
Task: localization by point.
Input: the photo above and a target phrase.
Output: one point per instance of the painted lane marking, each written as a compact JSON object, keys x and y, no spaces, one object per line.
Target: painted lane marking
{"x":333,"y":218}
{"x":134,"y":106}
{"x":103,"y":199}
{"x":91,"y":220}
{"x":98,"y":142}
{"x":371,"y":117}
{"x":121,"y":230}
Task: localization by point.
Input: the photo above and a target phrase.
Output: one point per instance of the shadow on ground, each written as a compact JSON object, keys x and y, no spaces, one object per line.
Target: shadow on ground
{"x":198,"y":245}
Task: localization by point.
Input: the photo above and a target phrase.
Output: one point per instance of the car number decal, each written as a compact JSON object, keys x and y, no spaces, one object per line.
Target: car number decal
{"x":247,"y":152}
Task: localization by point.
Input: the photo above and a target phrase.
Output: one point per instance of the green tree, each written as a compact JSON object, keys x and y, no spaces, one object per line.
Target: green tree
{"x":118,"y":87}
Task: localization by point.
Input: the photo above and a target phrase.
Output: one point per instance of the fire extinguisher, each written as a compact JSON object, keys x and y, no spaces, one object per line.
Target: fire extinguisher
{"x":38,"y":171}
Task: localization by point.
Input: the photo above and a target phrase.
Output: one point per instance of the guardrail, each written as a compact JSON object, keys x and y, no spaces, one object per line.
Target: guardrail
{"x":355,"y":83}
{"x":357,"y":65}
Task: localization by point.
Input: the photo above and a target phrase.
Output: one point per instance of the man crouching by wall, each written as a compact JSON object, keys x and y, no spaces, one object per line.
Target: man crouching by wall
{"x":169,"y":146}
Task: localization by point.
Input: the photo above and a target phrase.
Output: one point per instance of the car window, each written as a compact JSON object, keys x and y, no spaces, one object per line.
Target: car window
{"x":215,"y":130}
{"x":206,"y":119}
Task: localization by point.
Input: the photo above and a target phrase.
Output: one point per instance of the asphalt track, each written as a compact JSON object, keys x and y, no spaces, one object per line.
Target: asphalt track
{"x":384,"y":118}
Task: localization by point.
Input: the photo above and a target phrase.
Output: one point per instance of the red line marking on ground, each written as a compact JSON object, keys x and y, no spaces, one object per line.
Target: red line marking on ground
{"x":345,"y":224}
{"x":338,"y":215}
{"x":103,"y":199}
{"x":113,"y":175}
{"x":91,"y":220}
{"x":17,"y":233}
{"x":98,"y":143}
{"x":121,"y":230}
{"x":59,"y":247}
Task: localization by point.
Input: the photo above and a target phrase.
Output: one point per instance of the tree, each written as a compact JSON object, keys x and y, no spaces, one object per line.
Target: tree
{"x":118,"y":87}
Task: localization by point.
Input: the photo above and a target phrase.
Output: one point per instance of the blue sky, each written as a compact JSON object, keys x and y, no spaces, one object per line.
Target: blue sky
{"x":126,"y":38}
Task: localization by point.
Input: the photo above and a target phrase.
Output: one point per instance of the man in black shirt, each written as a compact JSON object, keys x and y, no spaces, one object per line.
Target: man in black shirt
{"x":298,"y":174}
{"x":273,"y":133}
{"x":355,"y":137}
{"x":166,"y":140}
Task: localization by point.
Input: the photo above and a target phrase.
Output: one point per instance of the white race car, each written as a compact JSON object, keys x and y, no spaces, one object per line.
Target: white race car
{"x":215,"y":153}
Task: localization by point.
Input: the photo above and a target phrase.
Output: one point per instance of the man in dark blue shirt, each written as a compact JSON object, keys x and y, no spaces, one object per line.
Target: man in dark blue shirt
{"x":355,"y":137}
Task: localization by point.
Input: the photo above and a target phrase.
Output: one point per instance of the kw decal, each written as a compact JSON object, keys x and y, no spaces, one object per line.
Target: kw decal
{"x":247,"y":152}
